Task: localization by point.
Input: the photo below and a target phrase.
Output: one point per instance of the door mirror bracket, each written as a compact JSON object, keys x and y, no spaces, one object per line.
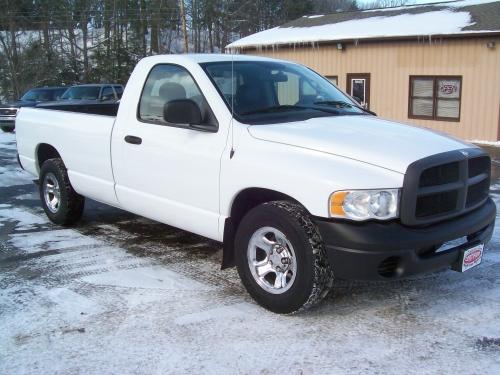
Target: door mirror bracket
{"x":204,"y":128}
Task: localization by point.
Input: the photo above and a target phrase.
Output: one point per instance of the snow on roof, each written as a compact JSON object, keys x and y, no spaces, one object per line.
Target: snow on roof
{"x":453,"y":18}
{"x":203,"y":58}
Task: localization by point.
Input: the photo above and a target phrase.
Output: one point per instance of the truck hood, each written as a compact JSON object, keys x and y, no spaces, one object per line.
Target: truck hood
{"x":368,"y":139}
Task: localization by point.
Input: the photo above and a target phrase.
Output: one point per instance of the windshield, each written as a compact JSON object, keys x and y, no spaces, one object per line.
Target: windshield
{"x":82,"y":92}
{"x":264,"y":92}
{"x":42,"y":95}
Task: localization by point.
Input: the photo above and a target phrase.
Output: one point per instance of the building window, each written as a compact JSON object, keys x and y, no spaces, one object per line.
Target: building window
{"x":333,"y":79}
{"x":435,"y":97}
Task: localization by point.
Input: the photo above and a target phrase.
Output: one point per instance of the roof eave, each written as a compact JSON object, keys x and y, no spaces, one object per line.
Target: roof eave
{"x":468,"y":35}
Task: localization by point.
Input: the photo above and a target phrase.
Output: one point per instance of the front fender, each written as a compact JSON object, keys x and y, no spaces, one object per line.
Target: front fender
{"x":308,"y":176}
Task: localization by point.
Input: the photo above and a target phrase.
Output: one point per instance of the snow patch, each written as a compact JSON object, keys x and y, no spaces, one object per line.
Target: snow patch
{"x":51,"y":240}
{"x":8,"y":141}
{"x":13,"y":177}
{"x":490,"y":256}
{"x":28,"y":196}
{"x":154,"y":277}
{"x":221,"y":313}
{"x":26,"y":220}
{"x":315,"y":16}
{"x":71,"y":305}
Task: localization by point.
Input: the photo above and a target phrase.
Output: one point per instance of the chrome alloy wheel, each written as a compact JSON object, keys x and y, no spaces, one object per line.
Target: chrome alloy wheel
{"x":272,"y":260}
{"x":51,"y":192}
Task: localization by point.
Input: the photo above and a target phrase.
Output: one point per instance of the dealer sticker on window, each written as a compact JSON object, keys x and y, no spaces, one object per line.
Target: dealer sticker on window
{"x":471,"y":257}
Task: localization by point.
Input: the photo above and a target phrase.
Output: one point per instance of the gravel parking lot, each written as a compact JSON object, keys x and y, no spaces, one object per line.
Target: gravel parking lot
{"x":122,"y":294}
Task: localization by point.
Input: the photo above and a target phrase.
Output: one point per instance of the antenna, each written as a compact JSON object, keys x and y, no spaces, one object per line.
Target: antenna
{"x":231,"y":153}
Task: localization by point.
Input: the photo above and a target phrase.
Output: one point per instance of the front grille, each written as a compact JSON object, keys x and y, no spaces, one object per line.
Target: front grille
{"x":445,"y":185}
{"x":440,"y":174}
{"x":479,"y":165}
{"x":436,"y":204}
{"x":8,"y":111}
{"x":477,"y":192}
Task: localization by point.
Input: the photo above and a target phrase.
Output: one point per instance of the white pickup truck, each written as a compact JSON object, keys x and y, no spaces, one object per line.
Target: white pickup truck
{"x":299,"y":182}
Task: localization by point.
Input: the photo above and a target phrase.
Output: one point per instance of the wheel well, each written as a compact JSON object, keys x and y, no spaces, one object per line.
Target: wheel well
{"x":244,"y":202}
{"x":252,"y":197}
{"x":45,"y":152}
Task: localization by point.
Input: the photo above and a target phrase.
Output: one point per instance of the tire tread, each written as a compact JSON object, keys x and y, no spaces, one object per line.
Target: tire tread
{"x":75,"y":202}
{"x":323,"y":274}
{"x":316,"y":277}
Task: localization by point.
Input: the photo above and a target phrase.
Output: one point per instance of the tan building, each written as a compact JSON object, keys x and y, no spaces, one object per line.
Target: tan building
{"x":435,"y":66}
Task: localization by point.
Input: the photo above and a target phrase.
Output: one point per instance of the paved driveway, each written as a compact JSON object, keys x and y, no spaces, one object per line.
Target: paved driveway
{"x":121,"y":294}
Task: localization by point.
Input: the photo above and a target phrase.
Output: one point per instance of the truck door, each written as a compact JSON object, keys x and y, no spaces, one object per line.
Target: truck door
{"x":165,"y":171}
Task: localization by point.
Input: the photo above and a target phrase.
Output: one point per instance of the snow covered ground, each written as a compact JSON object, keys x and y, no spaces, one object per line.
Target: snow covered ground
{"x":121,"y":294}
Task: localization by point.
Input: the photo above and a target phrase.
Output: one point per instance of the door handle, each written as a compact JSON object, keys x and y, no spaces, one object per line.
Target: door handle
{"x":133,"y":139}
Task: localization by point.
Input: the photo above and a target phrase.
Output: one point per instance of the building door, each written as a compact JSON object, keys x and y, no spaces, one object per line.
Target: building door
{"x":358,"y":86}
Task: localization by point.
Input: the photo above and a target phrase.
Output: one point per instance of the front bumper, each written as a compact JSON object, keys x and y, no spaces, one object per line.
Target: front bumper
{"x":377,"y":251}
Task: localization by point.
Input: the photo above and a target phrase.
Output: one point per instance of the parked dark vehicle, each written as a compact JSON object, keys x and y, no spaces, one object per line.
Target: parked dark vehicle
{"x":31,"y":98}
{"x":100,"y":92}
{"x":99,"y":99}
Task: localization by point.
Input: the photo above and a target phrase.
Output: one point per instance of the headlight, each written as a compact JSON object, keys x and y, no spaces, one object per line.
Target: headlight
{"x":360,"y":205}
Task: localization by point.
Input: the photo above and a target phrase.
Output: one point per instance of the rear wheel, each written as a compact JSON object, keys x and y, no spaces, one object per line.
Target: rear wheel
{"x":7,"y":129}
{"x":281,"y":258}
{"x":62,"y":204}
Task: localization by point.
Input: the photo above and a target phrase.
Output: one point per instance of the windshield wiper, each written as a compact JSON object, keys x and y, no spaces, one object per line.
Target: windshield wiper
{"x":289,"y":107}
{"x":334,"y":102}
{"x":275,"y":108}
{"x":341,"y":103}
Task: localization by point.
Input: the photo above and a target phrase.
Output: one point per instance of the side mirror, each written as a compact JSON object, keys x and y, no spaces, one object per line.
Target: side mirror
{"x":107,"y":97}
{"x":182,"y":111}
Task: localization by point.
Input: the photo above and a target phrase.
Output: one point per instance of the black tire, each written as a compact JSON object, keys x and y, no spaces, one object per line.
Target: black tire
{"x":7,"y":129}
{"x":314,"y":277}
{"x":71,"y":204}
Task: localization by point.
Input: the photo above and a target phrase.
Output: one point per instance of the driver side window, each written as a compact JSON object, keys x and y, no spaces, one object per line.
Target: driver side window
{"x":167,"y":83}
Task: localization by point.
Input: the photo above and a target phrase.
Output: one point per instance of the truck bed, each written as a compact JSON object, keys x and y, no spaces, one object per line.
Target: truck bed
{"x":96,"y":108}
{"x":81,"y":139}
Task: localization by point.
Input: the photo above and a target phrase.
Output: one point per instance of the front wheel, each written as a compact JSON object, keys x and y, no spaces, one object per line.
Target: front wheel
{"x":62,"y":204}
{"x":281,"y":259}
